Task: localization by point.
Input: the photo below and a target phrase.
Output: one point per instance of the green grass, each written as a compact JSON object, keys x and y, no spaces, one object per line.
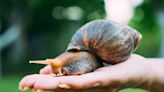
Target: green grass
{"x":132,"y":90}
{"x":10,"y":84}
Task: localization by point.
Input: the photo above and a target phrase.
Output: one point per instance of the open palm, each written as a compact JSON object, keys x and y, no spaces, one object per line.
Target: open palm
{"x":132,"y":73}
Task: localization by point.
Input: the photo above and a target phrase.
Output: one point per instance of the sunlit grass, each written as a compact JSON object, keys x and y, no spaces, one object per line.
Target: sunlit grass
{"x":10,"y":84}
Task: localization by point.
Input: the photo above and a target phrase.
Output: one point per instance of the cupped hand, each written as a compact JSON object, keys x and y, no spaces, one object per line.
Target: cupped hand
{"x":134,"y":72}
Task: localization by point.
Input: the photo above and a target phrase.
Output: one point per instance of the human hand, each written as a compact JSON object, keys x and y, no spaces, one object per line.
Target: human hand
{"x":135,"y":72}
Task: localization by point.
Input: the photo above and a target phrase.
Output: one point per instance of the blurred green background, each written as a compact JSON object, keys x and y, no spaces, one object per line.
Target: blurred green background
{"x":40,"y":29}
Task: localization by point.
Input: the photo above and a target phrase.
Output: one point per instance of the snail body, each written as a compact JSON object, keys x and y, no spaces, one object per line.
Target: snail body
{"x":96,"y":42}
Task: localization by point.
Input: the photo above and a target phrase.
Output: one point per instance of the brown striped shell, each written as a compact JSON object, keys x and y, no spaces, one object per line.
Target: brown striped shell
{"x":109,"y":40}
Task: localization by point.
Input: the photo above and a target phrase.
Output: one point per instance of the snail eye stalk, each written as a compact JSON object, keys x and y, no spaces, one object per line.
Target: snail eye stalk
{"x":50,"y":62}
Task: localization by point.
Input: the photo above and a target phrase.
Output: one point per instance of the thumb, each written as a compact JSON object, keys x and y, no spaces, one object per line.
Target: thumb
{"x":46,"y":70}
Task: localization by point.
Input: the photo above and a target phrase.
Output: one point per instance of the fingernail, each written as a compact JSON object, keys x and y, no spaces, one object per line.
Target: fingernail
{"x":96,"y":84}
{"x":52,"y":74}
{"x":39,"y":90}
{"x":41,"y":71}
{"x":64,"y":86}
{"x":24,"y":89}
{"x":58,"y":75}
{"x":20,"y":88}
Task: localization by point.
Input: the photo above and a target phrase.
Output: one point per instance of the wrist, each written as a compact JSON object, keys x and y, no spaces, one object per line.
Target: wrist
{"x":155,"y":79}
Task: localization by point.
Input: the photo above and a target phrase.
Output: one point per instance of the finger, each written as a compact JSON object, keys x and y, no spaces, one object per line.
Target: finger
{"x":47,"y":82}
{"x":27,"y":82}
{"x":46,"y":70}
{"x":84,"y":81}
{"x":38,"y":82}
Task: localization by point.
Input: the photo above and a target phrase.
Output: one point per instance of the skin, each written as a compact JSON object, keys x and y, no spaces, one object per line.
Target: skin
{"x":136,"y":72}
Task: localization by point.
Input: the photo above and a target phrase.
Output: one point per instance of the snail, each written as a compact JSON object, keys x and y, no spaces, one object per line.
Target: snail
{"x":94,"y":43}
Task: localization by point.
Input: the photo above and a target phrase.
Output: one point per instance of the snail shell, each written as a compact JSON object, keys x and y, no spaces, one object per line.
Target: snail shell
{"x":109,"y":40}
{"x":96,"y":42}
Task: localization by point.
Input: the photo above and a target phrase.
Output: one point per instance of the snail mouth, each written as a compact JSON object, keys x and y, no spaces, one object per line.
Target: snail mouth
{"x":61,"y":72}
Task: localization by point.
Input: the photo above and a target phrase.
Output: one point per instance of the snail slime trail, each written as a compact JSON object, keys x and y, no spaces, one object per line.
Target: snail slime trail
{"x":94,"y":43}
